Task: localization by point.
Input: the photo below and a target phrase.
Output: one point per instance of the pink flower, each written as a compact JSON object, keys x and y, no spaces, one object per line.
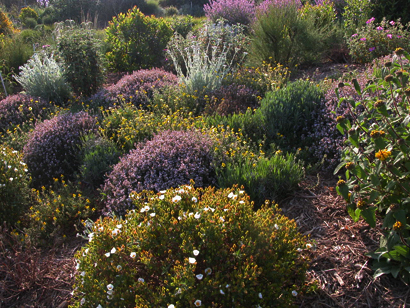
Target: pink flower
{"x":354,"y":35}
{"x":363,"y":39}
{"x":372,"y":49}
{"x":392,"y":23}
{"x":389,"y":36}
{"x":370,"y":20}
{"x":379,"y":28}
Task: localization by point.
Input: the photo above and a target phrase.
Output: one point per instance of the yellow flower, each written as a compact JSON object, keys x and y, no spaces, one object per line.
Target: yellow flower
{"x":397,"y":226}
{"x":383,"y":154}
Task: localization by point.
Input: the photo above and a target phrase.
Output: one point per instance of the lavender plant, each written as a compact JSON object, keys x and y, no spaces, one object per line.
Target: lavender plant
{"x":233,"y":11}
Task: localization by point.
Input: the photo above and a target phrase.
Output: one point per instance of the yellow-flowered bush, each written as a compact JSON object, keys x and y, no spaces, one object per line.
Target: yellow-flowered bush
{"x":188,"y":247}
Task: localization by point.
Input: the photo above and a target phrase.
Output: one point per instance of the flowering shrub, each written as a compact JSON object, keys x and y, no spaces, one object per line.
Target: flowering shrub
{"x":355,"y":14}
{"x":132,"y":38}
{"x":233,"y":11}
{"x":168,"y":160}
{"x":27,"y":13}
{"x":376,"y":162}
{"x":188,"y":247}
{"x":6,"y":26}
{"x":19,"y":108}
{"x":377,"y":39}
{"x":57,"y":211}
{"x":231,"y":99}
{"x":52,"y":147}
{"x":42,"y":76}
{"x":266,"y":179}
{"x":137,"y":88}
{"x":323,"y":13}
{"x":14,"y":180}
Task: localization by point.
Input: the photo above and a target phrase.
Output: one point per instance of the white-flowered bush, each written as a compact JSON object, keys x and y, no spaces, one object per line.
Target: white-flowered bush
{"x":188,"y":247}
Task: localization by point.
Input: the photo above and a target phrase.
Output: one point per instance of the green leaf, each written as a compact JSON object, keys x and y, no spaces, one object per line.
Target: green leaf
{"x":391,"y":185}
{"x":388,"y":221}
{"x":373,"y":196}
{"x":400,"y":215}
{"x":406,"y":55}
{"x":353,"y":212}
{"x":369,"y":216}
{"x":354,"y":140}
{"x":343,"y":191}
{"x":403,"y":250}
{"x":357,"y":86}
{"x":395,"y":270}
{"x":374,"y":179}
{"x":380,"y":143}
{"x":340,"y":129}
{"x":399,"y":157}
{"x":339,"y":166}
{"x":381,"y":271}
{"x":359,"y":172}
{"x":406,"y":120}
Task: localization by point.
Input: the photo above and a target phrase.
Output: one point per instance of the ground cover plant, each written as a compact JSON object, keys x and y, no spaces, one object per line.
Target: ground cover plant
{"x":91,"y":172}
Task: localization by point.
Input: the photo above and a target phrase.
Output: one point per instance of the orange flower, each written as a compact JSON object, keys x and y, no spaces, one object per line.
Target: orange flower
{"x":383,"y":154}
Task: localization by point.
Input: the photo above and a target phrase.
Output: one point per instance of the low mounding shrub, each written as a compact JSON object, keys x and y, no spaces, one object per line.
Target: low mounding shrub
{"x":137,"y":41}
{"x":42,"y":76}
{"x":377,"y":39}
{"x":27,"y":14}
{"x":52,"y":148}
{"x":189,"y":247}
{"x":376,"y":159}
{"x":137,"y":88}
{"x":19,"y":108}
{"x":170,"y":159}
{"x":14,"y":181}
{"x":267,"y":179}
{"x":233,"y":11}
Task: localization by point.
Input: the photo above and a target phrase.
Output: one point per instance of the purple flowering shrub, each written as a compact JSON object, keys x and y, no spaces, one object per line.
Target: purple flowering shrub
{"x":265,"y":6}
{"x":231,"y":99}
{"x":233,"y":11}
{"x":170,"y":159}
{"x":53,"y":146}
{"x":19,"y":108}
{"x":378,"y":39}
{"x":137,"y":88}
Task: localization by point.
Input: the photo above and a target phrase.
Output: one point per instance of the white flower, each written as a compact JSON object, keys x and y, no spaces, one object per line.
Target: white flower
{"x":308,"y":246}
{"x":222,"y":292}
{"x":110,"y":292}
{"x":225,"y":210}
{"x":222,"y":219}
{"x":107,"y":254}
{"x":199,"y":276}
{"x":152,"y":214}
{"x":241,"y":192}
{"x":162,"y":191}
{"x":230,"y":195}
{"x":85,"y":251}
{"x":260,"y":295}
{"x":197,"y":215}
{"x":145,"y":209}
{"x":101,"y":229}
{"x":194,"y":199}
{"x":197,"y":303}
{"x":113,"y":250}
{"x":171,"y":306}
{"x":115,"y":232}
{"x":11,"y":179}
{"x":77,"y":267}
{"x":82,"y":301}
{"x":109,"y":296}
{"x":133,"y":255}
{"x":241,"y":202}
{"x":99,"y":306}
{"x":176,"y":198}
{"x":196,"y":252}
{"x":206,"y":209}
{"x":119,"y":226}
{"x":227,"y":286}
{"x":208,"y":271}
{"x":190,"y":214}
{"x":276,"y":227}
{"x":191,"y":260}
{"x":141,"y":279}
{"x":82,"y":274}
{"x":161,"y":197}
{"x":90,"y":238}
{"x":119,"y":267}
{"x":110,"y":287}
{"x":299,"y":250}
{"x":294,"y":293}
{"x":181,"y":191}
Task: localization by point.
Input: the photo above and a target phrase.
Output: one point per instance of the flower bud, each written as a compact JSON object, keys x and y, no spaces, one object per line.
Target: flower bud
{"x":379,"y":103}
{"x":389,"y":78}
{"x":356,"y":188}
{"x":399,"y":51}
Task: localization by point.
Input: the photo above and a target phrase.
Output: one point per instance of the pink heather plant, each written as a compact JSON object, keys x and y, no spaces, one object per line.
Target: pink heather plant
{"x":233,"y":11}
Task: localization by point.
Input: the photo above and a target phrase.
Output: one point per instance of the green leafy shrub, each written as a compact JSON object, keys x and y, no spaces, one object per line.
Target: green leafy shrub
{"x":14,"y":189}
{"x":377,"y":39}
{"x":98,"y":155}
{"x":42,"y":76}
{"x":268,"y":179}
{"x":391,"y":10}
{"x":170,"y":159}
{"x":183,"y":24}
{"x":323,"y":13}
{"x":57,"y":211}
{"x":79,"y":50}
{"x":192,"y":247}
{"x":52,"y":147}
{"x":376,"y":161}
{"x":355,"y":14}
{"x":171,"y":11}
{"x":27,"y":15}
{"x":281,"y":35}
{"x":132,"y":37}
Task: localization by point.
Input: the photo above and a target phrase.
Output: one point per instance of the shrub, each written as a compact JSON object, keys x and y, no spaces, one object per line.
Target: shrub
{"x":233,"y":11}
{"x":170,"y":11}
{"x":57,"y":211}
{"x":377,"y":39}
{"x":78,"y":48}
{"x":19,"y":108}
{"x":132,"y":38}
{"x":323,"y":13}
{"x":43,"y":76}
{"x":391,"y":10}
{"x":281,"y":35}
{"x":14,"y":181}
{"x":98,"y":155}
{"x":6,"y":26}
{"x":52,"y":147}
{"x":26,"y":14}
{"x":355,"y":15}
{"x":168,"y":160}
{"x":231,"y":99}
{"x":192,"y":247}
{"x":137,"y":88}
{"x":183,"y":24}
{"x":268,"y":179}
{"x":376,"y":162}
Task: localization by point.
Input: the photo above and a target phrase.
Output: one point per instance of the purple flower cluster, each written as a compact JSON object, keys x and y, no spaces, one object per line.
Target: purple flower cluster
{"x":19,"y":108}
{"x":52,"y":148}
{"x":231,"y":99}
{"x":137,"y":88}
{"x":265,"y":6}
{"x":170,"y":159}
{"x":234,"y":11}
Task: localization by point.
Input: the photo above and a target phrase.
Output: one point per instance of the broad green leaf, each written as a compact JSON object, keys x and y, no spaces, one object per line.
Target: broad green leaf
{"x":339,"y":166}
{"x":357,"y":86}
{"x":353,"y":212}
{"x":340,"y":129}
{"x":381,"y":271}
{"x":373,"y":196}
{"x":374,"y":179}
{"x":388,"y":221}
{"x":369,"y":216}
{"x":380,"y":143}
{"x":359,"y":172}
{"x":343,"y":191}
{"x":391,"y":185}
{"x":354,"y":140}
{"x":403,"y":250}
{"x":395,"y":270}
{"x":400,"y":215}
